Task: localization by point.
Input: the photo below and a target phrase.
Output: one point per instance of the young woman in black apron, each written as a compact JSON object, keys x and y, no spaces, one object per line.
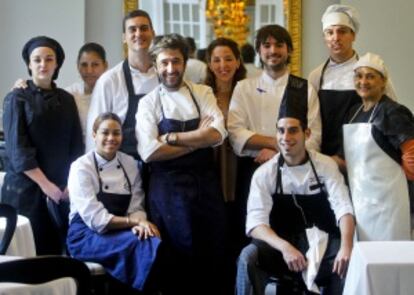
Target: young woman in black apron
{"x":108,"y":222}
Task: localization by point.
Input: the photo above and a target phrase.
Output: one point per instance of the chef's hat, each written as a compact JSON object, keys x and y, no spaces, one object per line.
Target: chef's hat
{"x":43,"y":41}
{"x":294,"y":103}
{"x":373,"y":61}
{"x":343,"y":15}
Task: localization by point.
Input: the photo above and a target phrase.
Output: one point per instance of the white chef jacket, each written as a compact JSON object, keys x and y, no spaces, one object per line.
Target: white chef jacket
{"x":195,"y":71}
{"x":83,"y":185}
{"x":297,"y":180}
{"x":254,"y":108}
{"x":82,"y":101}
{"x":176,"y":105}
{"x":252,"y":70}
{"x":111,"y":95}
{"x":340,"y":76}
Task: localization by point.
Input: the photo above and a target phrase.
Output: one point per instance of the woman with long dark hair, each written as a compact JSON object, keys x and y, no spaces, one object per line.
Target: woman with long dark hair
{"x":225,"y":69}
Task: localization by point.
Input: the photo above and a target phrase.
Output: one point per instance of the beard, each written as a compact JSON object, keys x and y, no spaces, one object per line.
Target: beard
{"x":171,"y":82}
{"x":281,"y":65}
{"x":276,"y":68}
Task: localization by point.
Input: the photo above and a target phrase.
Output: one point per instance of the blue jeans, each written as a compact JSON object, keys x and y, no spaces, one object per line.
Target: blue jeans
{"x":258,"y":262}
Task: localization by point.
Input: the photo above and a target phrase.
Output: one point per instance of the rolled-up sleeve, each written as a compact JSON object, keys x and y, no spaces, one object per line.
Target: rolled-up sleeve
{"x":209,"y":107}
{"x":137,"y":203}
{"x":314,"y":120}
{"x":337,"y":190}
{"x":19,"y":148}
{"x":260,"y":200}
{"x":237,"y":120}
{"x":84,"y":200}
{"x":147,"y":127}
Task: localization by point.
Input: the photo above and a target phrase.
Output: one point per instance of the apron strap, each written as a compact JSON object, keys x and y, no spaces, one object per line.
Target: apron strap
{"x":323,"y":73}
{"x":99,"y":175}
{"x":128,"y":78}
{"x":192,"y":97}
{"x":320,"y":185}
{"x":279,"y":186}
{"x":97,"y":171}
{"x":126,"y":176}
{"x":324,"y":69}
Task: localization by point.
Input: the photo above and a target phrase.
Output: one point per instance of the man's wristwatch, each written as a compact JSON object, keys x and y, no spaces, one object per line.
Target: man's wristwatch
{"x":163,"y":138}
{"x":172,"y":138}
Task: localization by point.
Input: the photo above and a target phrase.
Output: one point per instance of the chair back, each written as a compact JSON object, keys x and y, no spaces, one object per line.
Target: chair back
{"x":10,"y":214}
{"x":42,"y":269}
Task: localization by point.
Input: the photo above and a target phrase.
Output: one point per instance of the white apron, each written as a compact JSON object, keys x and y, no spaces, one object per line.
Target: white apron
{"x":378,"y":186}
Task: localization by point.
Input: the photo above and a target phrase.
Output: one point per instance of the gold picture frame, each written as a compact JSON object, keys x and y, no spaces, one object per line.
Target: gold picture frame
{"x":293,"y":16}
{"x":293,"y":23}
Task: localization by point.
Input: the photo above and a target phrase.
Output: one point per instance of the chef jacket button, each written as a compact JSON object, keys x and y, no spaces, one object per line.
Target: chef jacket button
{"x":100,"y":169}
{"x":106,"y":187}
{"x":119,"y":166}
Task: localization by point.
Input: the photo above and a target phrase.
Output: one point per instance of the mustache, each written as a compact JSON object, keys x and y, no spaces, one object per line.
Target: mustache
{"x":274,"y":55}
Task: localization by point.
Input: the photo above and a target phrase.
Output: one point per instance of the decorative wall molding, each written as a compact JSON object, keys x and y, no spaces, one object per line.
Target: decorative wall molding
{"x":293,"y":15}
{"x":129,"y":5}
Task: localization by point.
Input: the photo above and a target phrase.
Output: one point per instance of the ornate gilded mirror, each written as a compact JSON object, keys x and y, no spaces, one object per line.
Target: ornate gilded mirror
{"x":290,"y":17}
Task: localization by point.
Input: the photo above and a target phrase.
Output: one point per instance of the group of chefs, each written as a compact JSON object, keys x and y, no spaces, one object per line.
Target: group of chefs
{"x":295,"y":140}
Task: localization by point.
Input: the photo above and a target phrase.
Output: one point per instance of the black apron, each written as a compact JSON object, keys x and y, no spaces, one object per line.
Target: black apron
{"x":116,"y":204}
{"x":129,"y":142}
{"x":186,"y":203}
{"x":290,"y":216}
{"x":292,"y":213}
{"x":334,"y":106}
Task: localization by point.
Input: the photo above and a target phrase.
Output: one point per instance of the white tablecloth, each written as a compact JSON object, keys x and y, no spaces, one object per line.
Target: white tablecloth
{"x":2,"y":174}
{"x":381,"y":268}
{"x":22,"y":243}
{"x":63,"y":286}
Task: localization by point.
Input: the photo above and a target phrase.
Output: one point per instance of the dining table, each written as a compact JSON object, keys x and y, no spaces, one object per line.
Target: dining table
{"x":381,"y":268}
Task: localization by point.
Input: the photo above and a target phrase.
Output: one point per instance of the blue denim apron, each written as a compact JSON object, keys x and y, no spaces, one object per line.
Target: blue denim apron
{"x":186,"y":203}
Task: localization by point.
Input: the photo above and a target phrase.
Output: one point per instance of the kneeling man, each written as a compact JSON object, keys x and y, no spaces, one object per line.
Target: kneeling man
{"x":298,"y":210}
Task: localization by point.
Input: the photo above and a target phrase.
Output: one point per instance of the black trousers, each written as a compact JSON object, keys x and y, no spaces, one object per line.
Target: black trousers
{"x":271,"y":261}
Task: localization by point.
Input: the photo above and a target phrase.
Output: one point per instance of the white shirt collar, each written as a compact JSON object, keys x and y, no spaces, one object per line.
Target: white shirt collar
{"x":150,"y":72}
{"x":279,"y":81}
{"x":184,"y":88}
{"x":352,"y":60}
{"x":102,"y":162}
